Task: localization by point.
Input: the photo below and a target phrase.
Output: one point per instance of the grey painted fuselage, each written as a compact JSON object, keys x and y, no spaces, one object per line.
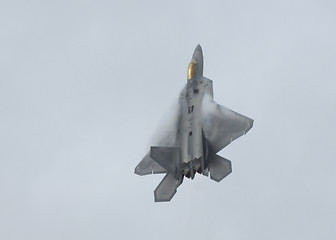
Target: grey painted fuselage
{"x":202,"y":129}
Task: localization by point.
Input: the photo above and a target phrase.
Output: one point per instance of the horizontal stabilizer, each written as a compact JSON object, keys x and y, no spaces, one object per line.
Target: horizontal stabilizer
{"x":219,"y":167}
{"x":167,"y":188}
{"x":148,"y":166}
{"x":168,"y":158}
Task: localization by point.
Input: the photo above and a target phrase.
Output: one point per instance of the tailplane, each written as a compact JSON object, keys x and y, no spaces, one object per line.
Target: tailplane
{"x":219,"y":167}
{"x":166,"y":190}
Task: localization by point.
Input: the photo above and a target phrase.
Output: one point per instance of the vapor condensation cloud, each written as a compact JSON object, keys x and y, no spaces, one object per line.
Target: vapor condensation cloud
{"x":83,"y":85}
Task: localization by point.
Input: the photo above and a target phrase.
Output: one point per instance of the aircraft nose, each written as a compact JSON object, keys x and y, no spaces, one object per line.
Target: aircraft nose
{"x":198,"y":54}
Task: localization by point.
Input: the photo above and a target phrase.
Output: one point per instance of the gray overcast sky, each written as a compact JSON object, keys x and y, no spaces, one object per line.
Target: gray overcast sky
{"x":85,"y":84}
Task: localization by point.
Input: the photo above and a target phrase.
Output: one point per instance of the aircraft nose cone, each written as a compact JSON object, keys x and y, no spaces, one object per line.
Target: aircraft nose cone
{"x":198,"y":54}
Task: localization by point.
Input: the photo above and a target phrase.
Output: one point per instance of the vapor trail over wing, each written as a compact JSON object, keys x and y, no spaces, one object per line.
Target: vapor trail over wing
{"x":221,"y":125}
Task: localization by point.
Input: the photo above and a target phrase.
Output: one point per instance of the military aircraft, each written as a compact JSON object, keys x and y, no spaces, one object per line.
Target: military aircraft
{"x":201,"y":129}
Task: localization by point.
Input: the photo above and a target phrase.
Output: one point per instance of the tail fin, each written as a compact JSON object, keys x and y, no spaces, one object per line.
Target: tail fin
{"x":219,"y":167}
{"x":167,"y":188}
{"x":168,"y":158}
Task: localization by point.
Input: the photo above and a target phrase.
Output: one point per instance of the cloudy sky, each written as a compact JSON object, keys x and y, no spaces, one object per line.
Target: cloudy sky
{"x":84,"y":86}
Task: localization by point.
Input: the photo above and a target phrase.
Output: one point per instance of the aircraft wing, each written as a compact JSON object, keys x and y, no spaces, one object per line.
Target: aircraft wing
{"x":221,"y":125}
{"x":166,"y":137}
{"x":148,"y":166}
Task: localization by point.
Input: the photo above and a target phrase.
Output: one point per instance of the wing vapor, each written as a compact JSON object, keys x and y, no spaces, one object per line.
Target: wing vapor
{"x":221,"y":125}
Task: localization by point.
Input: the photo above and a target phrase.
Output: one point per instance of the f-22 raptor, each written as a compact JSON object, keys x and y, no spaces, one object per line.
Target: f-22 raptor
{"x":201,"y":129}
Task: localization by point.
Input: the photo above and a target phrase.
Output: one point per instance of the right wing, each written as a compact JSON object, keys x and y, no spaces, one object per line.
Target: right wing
{"x":148,"y":166}
{"x":221,"y":125}
{"x":165,"y":136}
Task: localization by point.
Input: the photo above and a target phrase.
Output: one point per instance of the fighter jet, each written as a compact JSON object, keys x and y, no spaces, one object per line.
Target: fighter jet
{"x":201,"y":129}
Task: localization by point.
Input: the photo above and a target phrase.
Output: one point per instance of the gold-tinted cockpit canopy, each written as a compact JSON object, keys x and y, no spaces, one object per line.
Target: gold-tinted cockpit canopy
{"x":191,"y":69}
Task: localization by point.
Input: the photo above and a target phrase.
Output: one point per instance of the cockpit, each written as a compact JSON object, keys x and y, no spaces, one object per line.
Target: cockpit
{"x":191,"y":69}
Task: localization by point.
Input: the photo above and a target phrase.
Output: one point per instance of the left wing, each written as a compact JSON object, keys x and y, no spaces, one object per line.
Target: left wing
{"x":221,"y":125}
